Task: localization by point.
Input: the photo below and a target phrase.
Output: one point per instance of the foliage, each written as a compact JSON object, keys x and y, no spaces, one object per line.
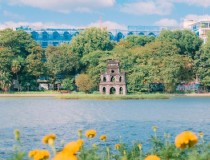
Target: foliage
{"x":136,"y":40}
{"x":202,"y":64}
{"x":35,"y":62}
{"x":151,"y":64}
{"x":160,"y":148}
{"x":19,"y":42}
{"x":69,"y":84}
{"x":95,"y":63}
{"x":90,"y":40}
{"x":61,"y":61}
{"x":188,"y":42}
{"x":15,"y":51}
{"x":84,"y":83}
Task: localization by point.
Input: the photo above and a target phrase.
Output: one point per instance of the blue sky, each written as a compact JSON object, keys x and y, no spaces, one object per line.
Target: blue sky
{"x":112,"y":13}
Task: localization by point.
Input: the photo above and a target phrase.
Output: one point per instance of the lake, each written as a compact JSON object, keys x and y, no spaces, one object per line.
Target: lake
{"x":130,"y":119}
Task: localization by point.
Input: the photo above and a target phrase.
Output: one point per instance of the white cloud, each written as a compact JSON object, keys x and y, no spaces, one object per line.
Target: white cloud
{"x":203,"y":3}
{"x":197,"y":17}
{"x":12,"y":15}
{"x":40,"y":25}
{"x":149,"y":7}
{"x":65,"y":6}
{"x":167,"y":22}
{"x":109,"y":25}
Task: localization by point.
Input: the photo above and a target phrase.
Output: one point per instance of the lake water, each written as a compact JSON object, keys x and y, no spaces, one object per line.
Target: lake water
{"x":130,"y":119}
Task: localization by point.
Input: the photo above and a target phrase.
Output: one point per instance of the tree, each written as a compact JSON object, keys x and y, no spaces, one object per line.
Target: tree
{"x":16,"y":66}
{"x":5,"y":81}
{"x":20,"y":45}
{"x":35,"y":62}
{"x":202,"y":64}
{"x":68,"y":84}
{"x":188,"y":42}
{"x":61,"y":62}
{"x":136,"y":40}
{"x":84,"y":83}
{"x":19,"y":42}
{"x":90,"y":40}
{"x":6,"y":57}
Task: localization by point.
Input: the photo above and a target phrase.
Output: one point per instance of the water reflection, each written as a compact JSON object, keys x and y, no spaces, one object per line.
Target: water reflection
{"x":130,"y":119}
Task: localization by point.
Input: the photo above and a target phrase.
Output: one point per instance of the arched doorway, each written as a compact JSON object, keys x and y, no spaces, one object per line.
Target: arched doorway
{"x":56,"y":35}
{"x":104,"y":79}
{"x":121,"y":90}
{"x":112,"y":79}
{"x":120,"y":79}
{"x":112,"y":90}
{"x":141,"y":34}
{"x":151,"y":34}
{"x":67,"y":36}
{"x":104,"y":90}
{"x":119,"y":36}
{"x":130,"y":33}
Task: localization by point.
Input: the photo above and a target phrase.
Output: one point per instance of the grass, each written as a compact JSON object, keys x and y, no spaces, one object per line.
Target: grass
{"x":31,"y":92}
{"x":113,"y":97}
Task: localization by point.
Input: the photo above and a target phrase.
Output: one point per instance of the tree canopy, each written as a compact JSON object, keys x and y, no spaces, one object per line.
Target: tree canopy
{"x":150,"y":63}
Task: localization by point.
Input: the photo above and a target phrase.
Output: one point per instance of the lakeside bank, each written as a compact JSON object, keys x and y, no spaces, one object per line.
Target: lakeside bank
{"x":100,"y":96}
{"x":85,"y":96}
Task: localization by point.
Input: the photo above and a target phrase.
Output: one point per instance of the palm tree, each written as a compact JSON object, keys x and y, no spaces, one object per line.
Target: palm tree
{"x":15,"y":69}
{"x":5,"y":81}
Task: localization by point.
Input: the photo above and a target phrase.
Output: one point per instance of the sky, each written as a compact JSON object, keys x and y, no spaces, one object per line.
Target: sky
{"x":113,"y":14}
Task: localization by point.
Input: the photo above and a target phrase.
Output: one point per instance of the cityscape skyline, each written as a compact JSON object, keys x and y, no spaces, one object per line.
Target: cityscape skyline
{"x":113,"y":14}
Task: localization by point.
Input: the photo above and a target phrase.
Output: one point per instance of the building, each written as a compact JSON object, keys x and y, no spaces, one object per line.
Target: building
{"x":200,"y":27}
{"x":55,"y":37}
{"x":113,"y":81}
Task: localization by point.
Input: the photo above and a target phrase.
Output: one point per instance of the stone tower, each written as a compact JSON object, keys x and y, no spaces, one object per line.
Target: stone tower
{"x":113,"y":81}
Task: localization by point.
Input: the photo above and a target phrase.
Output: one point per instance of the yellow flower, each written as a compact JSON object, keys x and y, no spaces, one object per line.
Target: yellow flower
{"x":201,"y":134}
{"x":186,"y":139}
{"x":73,"y":147}
{"x":69,"y":151}
{"x":103,"y":138}
{"x":117,"y":146}
{"x":90,"y":133}
{"x":140,"y":146}
{"x":32,"y":153}
{"x":79,"y":132}
{"x":49,"y":139}
{"x":152,"y":157}
{"x":94,"y":146}
{"x":17,"y":134}
{"x":64,"y":156}
{"x":155,"y":128}
{"x":39,"y":154}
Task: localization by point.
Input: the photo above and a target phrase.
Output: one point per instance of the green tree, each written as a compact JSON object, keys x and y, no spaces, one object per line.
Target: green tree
{"x":6,"y":57}
{"x":202,"y":64}
{"x":61,"y":62}
{"x":136,"y":40}
{"x":90,"y":40}
{"x":95,"y":63}
{"x":19,"y":42}
{"x":21,"y":45}
{"x":35,"y":62}
{"x":188,"y":42}
{"x":84,"y":83}
{"x":5,"y":81}
{"x":68,"y":84}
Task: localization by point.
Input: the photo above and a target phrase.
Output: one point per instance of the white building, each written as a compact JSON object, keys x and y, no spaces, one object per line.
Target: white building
{"x":200,"y":26}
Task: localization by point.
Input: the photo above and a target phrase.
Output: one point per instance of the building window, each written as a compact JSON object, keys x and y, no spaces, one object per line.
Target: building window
{"x":45,"y":35}
{"x":55,"y":43}
{"x":44,"y":44}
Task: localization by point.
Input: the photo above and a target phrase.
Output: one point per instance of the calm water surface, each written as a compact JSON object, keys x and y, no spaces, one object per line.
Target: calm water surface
{"x":130,"y":119}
